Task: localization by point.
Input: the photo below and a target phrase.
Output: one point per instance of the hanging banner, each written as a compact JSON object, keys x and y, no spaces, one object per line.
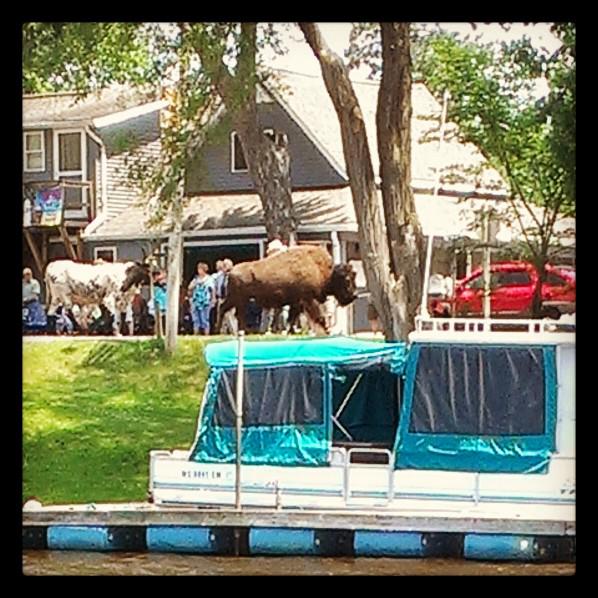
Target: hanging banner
{"x":48,"y":206}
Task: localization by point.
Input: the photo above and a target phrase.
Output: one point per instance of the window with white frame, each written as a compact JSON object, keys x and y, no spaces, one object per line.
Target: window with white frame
{"x":237,"y":157}
{"x":34,"y":151}
{"x":106,"y":254}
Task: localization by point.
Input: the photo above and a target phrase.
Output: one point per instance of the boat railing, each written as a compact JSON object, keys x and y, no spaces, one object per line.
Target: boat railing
{"x":370,"y":451}
{"x":484,"y":326}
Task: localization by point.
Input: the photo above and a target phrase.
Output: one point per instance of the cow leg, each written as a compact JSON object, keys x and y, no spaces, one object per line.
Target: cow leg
{"x":111,"y":305}
{"x":129,"y":319}
{"x":314,"y":312}
{"x":80,"y":315}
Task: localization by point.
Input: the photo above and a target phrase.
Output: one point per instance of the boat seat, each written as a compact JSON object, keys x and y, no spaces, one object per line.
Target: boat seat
{"x":366,"y":457}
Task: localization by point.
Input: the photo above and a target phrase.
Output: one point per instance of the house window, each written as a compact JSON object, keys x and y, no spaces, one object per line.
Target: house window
{"x":270,"y":133}
{"x":70,"y":164}
{"x":238,"y":162}
{"x":34,"y":151}
{"x":69,"y":152}
{"x":107,"y":254}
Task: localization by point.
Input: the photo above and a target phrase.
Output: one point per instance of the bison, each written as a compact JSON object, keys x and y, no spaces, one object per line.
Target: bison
{"x":113,"y":285}
{"x":301,"y":277}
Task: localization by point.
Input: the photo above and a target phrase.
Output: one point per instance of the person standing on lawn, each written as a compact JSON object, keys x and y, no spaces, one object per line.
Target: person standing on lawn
{"x":217,"y":279}
{"x":160,"y":297}
{"x":33,"y":311}
{"x":203,"y":299}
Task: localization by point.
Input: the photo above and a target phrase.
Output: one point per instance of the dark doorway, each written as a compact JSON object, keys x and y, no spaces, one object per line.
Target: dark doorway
{"x":210,"y":254}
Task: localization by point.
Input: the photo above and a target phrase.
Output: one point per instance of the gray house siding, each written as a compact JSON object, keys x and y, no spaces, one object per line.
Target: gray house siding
{"x":309,"y":167}
{"x":127,"y":142}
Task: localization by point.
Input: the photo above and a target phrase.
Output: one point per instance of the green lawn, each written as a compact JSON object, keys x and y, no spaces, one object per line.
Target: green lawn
{"x":93,"y":410}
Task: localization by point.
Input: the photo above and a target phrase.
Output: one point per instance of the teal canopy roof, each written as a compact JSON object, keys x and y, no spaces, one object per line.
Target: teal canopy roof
{"x":330,"y":350}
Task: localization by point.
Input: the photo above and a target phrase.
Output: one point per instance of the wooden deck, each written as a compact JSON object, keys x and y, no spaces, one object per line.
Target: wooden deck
{"x":144,"y":514}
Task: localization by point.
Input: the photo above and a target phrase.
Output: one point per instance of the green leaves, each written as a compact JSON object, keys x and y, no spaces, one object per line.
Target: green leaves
{"x":85,"y":56}
{"x":527,"y":136}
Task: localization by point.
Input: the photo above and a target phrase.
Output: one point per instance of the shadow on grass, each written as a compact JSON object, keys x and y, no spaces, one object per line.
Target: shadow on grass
{"x":88,"y":429}
{"x":93,"y":411}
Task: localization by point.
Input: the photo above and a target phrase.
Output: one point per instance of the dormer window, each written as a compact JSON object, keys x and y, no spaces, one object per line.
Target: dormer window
{"x":237,"y":157}
{"x":34,"y":154}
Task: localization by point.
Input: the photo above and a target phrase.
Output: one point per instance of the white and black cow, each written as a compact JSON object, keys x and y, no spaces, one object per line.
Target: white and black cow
{"x":113,"y":285}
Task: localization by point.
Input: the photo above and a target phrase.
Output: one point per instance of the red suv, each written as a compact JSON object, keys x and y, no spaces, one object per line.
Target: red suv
{"x":512,"y":287}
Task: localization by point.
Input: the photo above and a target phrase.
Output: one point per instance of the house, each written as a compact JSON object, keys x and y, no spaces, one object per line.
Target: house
{"x":84,"y":144}
{"x":222,"y":214}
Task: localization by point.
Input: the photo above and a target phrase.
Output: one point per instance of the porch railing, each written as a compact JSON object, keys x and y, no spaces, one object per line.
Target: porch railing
{"x":88,"y":200}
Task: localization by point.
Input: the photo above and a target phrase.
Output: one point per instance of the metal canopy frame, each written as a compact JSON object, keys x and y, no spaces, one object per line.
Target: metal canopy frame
{"x":336,"y":416}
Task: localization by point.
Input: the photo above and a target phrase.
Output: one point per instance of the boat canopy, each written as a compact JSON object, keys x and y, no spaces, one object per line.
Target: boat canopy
{"x":330,"y":350}
{"x":464,"y":406}
{"x":478,"y":407}
{"x":292,"y":391}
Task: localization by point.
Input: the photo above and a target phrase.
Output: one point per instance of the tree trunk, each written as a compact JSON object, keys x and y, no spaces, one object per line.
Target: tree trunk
{"x":537,"y":303}
{"x":267,"y":160}
{"x":393,"y":123}
{"x":175,"y":255}
{"x":379,"y":242}
{"x":269,"y":167}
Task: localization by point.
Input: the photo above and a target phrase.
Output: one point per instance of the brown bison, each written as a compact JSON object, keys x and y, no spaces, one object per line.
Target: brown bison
{"x":301,"y":277}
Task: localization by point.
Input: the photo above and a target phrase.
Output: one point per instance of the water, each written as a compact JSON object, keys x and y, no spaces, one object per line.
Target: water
{"x":45,"y":562}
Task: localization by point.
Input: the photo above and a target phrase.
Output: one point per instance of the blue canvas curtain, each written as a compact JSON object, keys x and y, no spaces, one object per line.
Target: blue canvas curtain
{"x":285,"y":418}
{"x":478,"y":408}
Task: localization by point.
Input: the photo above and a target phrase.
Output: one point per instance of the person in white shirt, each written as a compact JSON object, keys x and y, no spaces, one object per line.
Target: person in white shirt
{"x":436,"y":286}
{"x":33,"y":311}
{"x":275,"y":245}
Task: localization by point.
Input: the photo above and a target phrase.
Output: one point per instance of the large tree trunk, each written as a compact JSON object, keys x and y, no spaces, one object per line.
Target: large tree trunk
{"x":269,"y":167}
{"x":268,"y":160}
{"x":379,"y":243}
{"x":393,"y":123}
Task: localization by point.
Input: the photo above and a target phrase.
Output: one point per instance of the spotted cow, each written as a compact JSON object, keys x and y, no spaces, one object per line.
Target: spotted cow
{"x":88,"y":286}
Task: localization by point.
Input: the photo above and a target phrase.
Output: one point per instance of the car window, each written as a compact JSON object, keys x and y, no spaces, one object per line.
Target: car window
{"x":476,"y":283}
{"x":513,"y":279}
{"x":555,"y":280}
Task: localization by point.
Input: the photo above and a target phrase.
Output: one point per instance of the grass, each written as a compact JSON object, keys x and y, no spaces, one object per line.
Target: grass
{"x":93,"y":410}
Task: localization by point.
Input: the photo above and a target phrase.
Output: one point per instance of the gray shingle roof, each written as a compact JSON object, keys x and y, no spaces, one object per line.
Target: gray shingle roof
{"x":308,"y":99}
{"x":236,"y":210}
{"x":328,"y":209}
{"x":45,"y":110}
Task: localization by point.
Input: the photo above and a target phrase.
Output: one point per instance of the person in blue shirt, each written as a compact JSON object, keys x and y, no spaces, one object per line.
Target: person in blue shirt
{"x":203,"y":299}
{"x":160,"y":297}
